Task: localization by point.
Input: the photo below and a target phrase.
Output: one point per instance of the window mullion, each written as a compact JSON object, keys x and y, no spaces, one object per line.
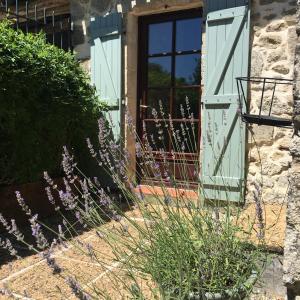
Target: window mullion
{"x":172,"y":74}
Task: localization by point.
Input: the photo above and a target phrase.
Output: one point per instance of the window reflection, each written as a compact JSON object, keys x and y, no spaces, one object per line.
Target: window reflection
{"x":159,"y":71}
{"x":160,"y":38}
{"x":188,"y":34}
{"x":187,"y":69}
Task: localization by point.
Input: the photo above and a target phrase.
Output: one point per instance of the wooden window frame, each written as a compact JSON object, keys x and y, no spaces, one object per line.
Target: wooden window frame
{"x":143,"y":56}
{"x":142,"y":84}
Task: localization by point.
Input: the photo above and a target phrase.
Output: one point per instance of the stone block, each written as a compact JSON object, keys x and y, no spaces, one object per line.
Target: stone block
{"x":276,"y":55}
{"x":270,"y":40}
{"x":282,"y":69}
{"x":257,"y":63}
{"x":263,"y":135}
{"x":283,"y":180}
{"x":284,"y":143}
{"x":277,"y":25}
{"x":271,"y":168}
{"x":295,"y":146}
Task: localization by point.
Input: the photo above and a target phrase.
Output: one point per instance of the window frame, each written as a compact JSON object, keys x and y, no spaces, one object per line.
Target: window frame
{"x":143,"y":56}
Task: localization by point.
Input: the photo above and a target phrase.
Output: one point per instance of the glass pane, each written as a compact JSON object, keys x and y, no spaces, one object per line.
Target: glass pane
{"x":188,"y":34}
{"x":160,"y":38}
{"x":154,"y":97}
{"x":186,"y":98}
{"x":185,"y":139}
{"x":188,"y":69}
{"x":159,"y":71}
{"x":157,"y":135}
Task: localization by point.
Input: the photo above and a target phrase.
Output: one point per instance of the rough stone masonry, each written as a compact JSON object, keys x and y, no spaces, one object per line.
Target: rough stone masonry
{"x":273,"y":42}
{"x":292,"y":239}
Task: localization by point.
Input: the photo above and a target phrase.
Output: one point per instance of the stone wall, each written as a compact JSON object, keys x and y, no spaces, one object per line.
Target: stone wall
{"x":272,"y":55}
{"x":292,"y":239}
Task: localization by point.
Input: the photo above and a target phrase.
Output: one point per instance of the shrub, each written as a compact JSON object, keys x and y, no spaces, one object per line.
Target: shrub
{"x":177,"y":247}
{"x":46,"y":102}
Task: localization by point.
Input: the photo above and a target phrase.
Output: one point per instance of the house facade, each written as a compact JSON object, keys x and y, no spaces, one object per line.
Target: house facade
{"x":238,"y":38}
{"x":141,"y":51}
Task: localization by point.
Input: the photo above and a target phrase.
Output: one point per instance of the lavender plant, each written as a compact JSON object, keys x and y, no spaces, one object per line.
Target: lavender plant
{"x":177,"y":247}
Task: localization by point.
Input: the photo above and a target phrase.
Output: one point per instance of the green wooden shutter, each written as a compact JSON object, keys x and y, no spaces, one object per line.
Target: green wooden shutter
{"x":223,"y":135}
{"x":106,"y":63}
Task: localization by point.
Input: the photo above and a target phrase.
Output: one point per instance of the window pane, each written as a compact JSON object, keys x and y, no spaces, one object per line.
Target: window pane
{"x":160,"y":38}
{"x":154,"y":97}
{"x":185,"y":139}
{"x":157,"y":135}
{"x":184,"y":98}
{"x":188,"y":35}
{"x":187,"y":69}
{"x":159,"y":71}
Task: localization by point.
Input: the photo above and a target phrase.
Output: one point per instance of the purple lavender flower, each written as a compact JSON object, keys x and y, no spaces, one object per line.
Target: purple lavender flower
{"x":85,"y":189}
{"x":182,"y":111}
{"x":91,"y":252}
{"x":96,"y":181}
{"x":77,"y":290}
{"x":103,"y":134}
{"x":161,"y":108}
{"x":156,"y":170}
{"x":155,"y":115}
{"x":91,"y":148}
{"x":68,"y":163}
{"x":116,"y":217}
{"x":67,"y":199}
{"x":22,"y":203}
{"x":138,"y":149}
{"x":48,"y":179}
{"x":78,"y":217}
{"x":51,"y":262}
{"x":12,"y":228}
{"x":37,"y":233}
{"x":9,"y":247}
{"x":49,"y":195}
{"x":129,"y":120}
{"x":104,"y":198}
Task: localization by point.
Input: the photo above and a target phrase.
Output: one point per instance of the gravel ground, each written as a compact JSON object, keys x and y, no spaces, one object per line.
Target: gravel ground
{"x":31,"y":278}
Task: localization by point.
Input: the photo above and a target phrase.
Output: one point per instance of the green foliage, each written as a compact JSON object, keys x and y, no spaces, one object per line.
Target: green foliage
{"x":46,"y":102}
{"x":194,"y":252}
